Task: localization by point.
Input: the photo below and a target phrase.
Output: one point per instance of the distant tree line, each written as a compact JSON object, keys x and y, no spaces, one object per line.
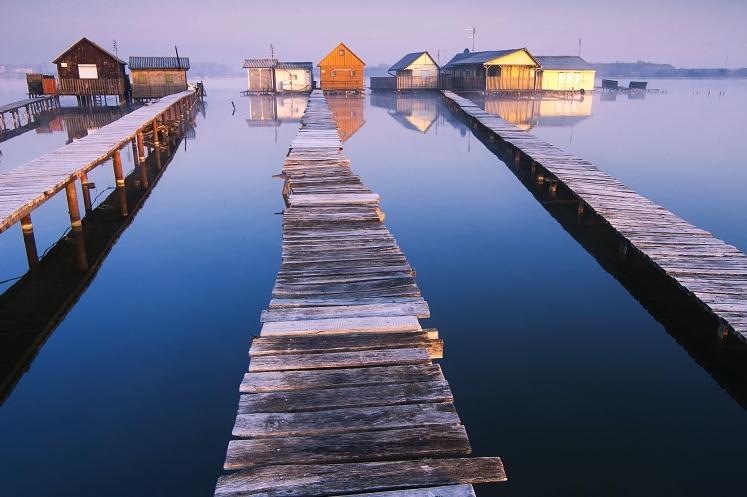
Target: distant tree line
{"x":642,"y":69}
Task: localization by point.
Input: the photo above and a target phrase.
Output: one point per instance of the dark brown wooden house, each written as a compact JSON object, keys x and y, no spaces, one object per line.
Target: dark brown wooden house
{"x":86,"y":70}
{"x":156,"y":77}
{"x":496,"y":70}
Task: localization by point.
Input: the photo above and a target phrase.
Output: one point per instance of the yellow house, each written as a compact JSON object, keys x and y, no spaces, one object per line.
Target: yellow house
{"x":565,"y":73}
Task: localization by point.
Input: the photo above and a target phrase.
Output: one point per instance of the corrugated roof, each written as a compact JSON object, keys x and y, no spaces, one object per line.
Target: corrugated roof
{"x":563,"y":62}
{"x":295,"y":65}
{"x":260,"y":63}
{"x":408,"y":59}
{"x":468,"y":57}
{"x":159,"y":63}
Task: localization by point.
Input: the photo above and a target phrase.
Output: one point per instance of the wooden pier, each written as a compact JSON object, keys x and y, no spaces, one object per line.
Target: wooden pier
{"x":711,"y":271}
{"x":26,"y":187}
{"x":31,"y":106}
{"x":342,"y":395}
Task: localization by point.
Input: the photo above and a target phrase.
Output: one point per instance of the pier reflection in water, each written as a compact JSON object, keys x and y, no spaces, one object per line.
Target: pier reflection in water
{"x":31,"y":308}
{"x":683,"y":319}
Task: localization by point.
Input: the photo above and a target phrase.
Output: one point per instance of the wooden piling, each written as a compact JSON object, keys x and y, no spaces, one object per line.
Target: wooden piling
{"x":140,"y":147}
{"x":29,"y":241}
{"x":119,"y":178}
{"x":76,"y":226}
{"x":86,"y":193}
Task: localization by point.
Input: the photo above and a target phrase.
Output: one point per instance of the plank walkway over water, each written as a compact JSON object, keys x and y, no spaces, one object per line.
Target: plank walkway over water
{"x":709,"y":269}
{"x":342,"y":395}
{"x":13,"y":106}
{"x":25,"y":187}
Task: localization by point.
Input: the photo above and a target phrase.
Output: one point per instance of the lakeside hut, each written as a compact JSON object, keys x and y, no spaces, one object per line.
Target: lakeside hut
{"x":565,"y":73}
{"x":294,"y":77}
{"x":342,"y":70}
{"x":414,"y":71}
{"x":87,"y":71}
{"x":260,"y":75}
{"x":494,"y":70}
{"x":156,"y":77}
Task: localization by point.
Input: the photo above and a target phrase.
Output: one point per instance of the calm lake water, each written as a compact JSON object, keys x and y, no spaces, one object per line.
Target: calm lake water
{"x":554,"y":365}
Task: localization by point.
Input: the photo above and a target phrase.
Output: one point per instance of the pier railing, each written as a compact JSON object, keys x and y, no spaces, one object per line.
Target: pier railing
{"x":91,"y":87}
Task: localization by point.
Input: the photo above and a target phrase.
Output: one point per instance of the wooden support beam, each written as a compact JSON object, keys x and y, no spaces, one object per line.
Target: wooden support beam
{"x":29,"y":241}
{"x":86,"y":193}
{"x":140,"y":147}
{"x":76,"y":227}
{"x":119,"y":178}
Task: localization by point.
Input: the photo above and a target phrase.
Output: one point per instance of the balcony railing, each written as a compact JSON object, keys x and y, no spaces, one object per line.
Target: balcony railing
{"x":91,"y":87}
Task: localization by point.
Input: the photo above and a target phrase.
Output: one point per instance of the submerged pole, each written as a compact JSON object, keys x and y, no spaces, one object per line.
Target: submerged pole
{"x":76,"y":227}
{"x":29,"y":241}
{"x":119,"y":177}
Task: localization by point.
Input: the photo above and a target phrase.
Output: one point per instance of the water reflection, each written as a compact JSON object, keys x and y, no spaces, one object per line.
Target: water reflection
{"x":273,"y":110}
{"x":347,"y":111}
{"x":528,"y":112}
{"x":414,"y":111}
{"x":37,"y":302}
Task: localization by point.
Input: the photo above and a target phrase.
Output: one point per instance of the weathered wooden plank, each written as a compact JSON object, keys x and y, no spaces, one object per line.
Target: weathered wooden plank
{"x":311,"y":480}
{"x":310,"y":344}
{"x":277,"y":381}
{"x":341,"y":325}
{"x":336,"y":398}
{"x":352,"y":359}
{"x":426,"y":441}
{"x":354,"y":419}
{"x":419,"y":309}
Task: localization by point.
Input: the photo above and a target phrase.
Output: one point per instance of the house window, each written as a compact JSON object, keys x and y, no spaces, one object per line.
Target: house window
{"x":63,"y":64}
{"x":333,"y":73}
{"x":88,"y":71}
{"x":341,"y":53}
{"x":352,"y":72}
{"x":141,"y":79}
{"x":294,"y":77}
{"x":169,"y":78}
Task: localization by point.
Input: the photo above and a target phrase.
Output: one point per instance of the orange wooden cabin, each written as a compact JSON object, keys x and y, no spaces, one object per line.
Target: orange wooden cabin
{"x":342,"y":70}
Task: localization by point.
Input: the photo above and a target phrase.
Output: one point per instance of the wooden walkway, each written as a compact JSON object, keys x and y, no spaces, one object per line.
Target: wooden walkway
{"x":709,"y":269}
{"x":30,"y":105}
{"x":342,"y":395}
{"x":26,"y":187}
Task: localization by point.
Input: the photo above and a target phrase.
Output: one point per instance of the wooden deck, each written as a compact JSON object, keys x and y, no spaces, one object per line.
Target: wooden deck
{"x":25,"y":187}
{"x":710,"y":270}
{"x":342,"y":395}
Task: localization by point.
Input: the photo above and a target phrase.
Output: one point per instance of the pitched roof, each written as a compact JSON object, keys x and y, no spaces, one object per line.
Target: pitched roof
{"x":260,"y":63}
{"x":159,"y":63}
{"x":295,"y":65}
{"x":466,"y":57}
{"x":408,"y":59}
{"x":332,"y":52}
{"x":107,"y":52}
{"x":563,"y":62}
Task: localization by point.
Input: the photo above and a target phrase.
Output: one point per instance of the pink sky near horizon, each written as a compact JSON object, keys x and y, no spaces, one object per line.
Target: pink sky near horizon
{"x":683,"y":33}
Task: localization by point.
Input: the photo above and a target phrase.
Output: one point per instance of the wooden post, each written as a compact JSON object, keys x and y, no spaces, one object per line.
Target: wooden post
{"x":29,"y":241}
{"x":119,"y":177}
{"x":155,"y":133}
{"x":140,"y":165}
{"x":76,"y":226}
{"x":722,"y":331}
{"x":86,"y":193}
{"x":580,"y":210}
{"x":158,"y":158}
{"x":140,"y":147}
{"x":622,"y":250}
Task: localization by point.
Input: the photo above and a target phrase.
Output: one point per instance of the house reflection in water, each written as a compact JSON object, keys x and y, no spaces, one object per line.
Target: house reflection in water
{"x":273,"y":110}
{"x":347,"y":111}
{"x":528,"y":112}
{"x":413,"y":111}
{"x":80,"y":121}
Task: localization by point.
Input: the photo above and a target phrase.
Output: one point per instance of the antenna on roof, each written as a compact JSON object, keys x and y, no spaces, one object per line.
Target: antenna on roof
{"x":114,"y":45}
{"x":579,"y":47}
{"x":272,"y":51}
{"x":178,"y":61}
{"x":471,"y":32}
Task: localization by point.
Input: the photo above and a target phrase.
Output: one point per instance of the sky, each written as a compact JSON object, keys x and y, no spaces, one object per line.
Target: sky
{"x":684,"y":33}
